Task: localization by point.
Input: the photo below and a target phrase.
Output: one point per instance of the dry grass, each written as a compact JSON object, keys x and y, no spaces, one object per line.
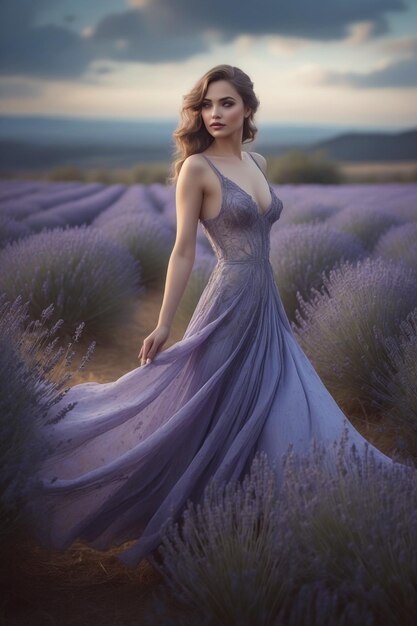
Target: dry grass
{"x":120,"y":354}
{"x":77,"y":587}
{"x":379,"y":171}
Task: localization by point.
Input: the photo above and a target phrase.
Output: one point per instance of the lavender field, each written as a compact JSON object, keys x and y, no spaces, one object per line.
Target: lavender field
{"x":344,"y":259}
{"x":87,"y":263}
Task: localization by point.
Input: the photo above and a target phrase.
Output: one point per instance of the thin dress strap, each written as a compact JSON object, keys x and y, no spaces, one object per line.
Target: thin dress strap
{"x":213,"y":166}
{"x":253,"y":159}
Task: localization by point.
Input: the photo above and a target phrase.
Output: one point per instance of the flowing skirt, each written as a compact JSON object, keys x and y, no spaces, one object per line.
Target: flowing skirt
{"x":132,"y":452}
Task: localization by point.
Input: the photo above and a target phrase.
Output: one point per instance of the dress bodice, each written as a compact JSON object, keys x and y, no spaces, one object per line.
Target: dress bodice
{"x":240,"y":231}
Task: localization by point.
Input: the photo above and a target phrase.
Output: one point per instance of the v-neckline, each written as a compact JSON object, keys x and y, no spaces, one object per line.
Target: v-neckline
{"x":261,"y":214}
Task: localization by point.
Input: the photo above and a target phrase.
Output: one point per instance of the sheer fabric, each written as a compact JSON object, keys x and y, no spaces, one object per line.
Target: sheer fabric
{"x":133,"y":451}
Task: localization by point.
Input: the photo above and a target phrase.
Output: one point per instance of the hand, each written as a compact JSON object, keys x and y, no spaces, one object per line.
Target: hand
{"x":153,"y":343}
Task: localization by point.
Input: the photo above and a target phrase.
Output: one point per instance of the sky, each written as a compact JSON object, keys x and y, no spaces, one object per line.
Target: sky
{"x":324,"y":62}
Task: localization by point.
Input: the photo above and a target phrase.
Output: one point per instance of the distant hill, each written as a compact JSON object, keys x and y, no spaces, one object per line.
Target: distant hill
{"x":31,"y":143}
{"x":375,"y":146}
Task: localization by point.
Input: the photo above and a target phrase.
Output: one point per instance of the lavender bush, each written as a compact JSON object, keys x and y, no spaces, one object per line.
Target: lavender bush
{"x":87,"y":277}
{"x":148,"y":240}
{"x":400,"y":244}
{"x":13,"y":189}
{"x":301,"y":253}
{"x":56,"y":194}
{"x":229,"y":561}
{"x":364,"y":222}
{"x":325,"y":548}
{"x":11,"y":230}
{"x":34,"y":372}
{"x":308,"y":212}
{"x":48,"y":196}
{"x":160,"y":195}
{"x":76,"y":212}
{"x":358,"y":525}
{"x":336,"y":327}
{"x":396,"y":388}
{"x":135,"y":200}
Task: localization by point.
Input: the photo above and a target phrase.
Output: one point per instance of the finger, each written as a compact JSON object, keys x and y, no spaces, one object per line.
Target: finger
{"x":149,"y":356}
{"x":145,"y":350}
{"x":145,"y":356}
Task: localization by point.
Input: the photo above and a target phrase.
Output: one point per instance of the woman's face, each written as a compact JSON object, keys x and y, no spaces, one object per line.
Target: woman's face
{"x":223,"y":104}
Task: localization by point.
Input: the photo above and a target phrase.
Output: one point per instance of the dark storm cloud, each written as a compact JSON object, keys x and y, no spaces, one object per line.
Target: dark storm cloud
{"x":147,"y":36}
{"x":50,"y":51}
{"x":27,"y":49}
{"x":320,"y":20}
{"x":166,"y":30}
{"x":401,"y":74}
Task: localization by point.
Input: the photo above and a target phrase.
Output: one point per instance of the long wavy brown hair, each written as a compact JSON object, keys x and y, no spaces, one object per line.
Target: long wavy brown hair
{"x":191,"y":135}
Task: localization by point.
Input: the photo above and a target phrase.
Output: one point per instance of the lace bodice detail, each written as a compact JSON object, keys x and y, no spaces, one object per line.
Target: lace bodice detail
{"x":240,"y":231}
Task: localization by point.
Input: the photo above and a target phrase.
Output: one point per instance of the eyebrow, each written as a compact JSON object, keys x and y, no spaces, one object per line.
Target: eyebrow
{"x":224,"y":98}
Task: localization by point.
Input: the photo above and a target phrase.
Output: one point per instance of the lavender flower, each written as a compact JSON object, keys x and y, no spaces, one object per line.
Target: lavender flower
{"x":309,"y":211}
{"x":400,"y":244}
{"x":336,"y":327}
{"x":147,"y":239}
{"x":301,"y":253}
{"x":87,"y":278}
{"x":395,"y":383}
{"x":135,"y":200}
{"x":11,"y":230}
{"x":334,"y":544}
{"x":76,"y":212}
{"x":364,"y":222}
{"x":34,"y":375}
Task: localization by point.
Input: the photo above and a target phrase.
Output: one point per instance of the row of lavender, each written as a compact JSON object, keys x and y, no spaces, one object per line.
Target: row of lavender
{"x":344,"y":258}
{"x":345,"y":262}
{"x":321,"y":549}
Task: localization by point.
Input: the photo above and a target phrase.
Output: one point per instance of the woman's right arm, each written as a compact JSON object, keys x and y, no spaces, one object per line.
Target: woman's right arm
{"x":188,"y":201}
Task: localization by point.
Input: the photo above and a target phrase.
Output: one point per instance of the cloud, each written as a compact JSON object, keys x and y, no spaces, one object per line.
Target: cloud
{"x":16,"y":88}
{"x":148,"y":36}
{"x":401,"y":45}
{"x":400,"y":74}
{"x":167,"y":30}
{"x":322,"y":20}
{"x":42,"y":51}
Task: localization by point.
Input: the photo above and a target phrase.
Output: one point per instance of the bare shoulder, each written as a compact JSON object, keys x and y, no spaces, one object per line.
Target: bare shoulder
{"x":260,"y":160}
{"x":195,"y":171}
{"x":192,"y":179}
{"x":194,"y":164}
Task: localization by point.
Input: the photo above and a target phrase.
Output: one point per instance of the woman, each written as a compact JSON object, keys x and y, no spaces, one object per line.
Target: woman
{"x":132,"y":452}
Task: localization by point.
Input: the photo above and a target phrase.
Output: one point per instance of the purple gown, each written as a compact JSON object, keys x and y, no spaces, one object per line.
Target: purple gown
{"x":131,"y":452}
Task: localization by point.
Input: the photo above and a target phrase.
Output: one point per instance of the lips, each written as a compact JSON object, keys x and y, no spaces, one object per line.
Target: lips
{"x":216,"y":125}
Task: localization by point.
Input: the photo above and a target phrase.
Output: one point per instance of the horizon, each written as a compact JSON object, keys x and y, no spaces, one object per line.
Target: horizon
{"x":173,"y":120}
